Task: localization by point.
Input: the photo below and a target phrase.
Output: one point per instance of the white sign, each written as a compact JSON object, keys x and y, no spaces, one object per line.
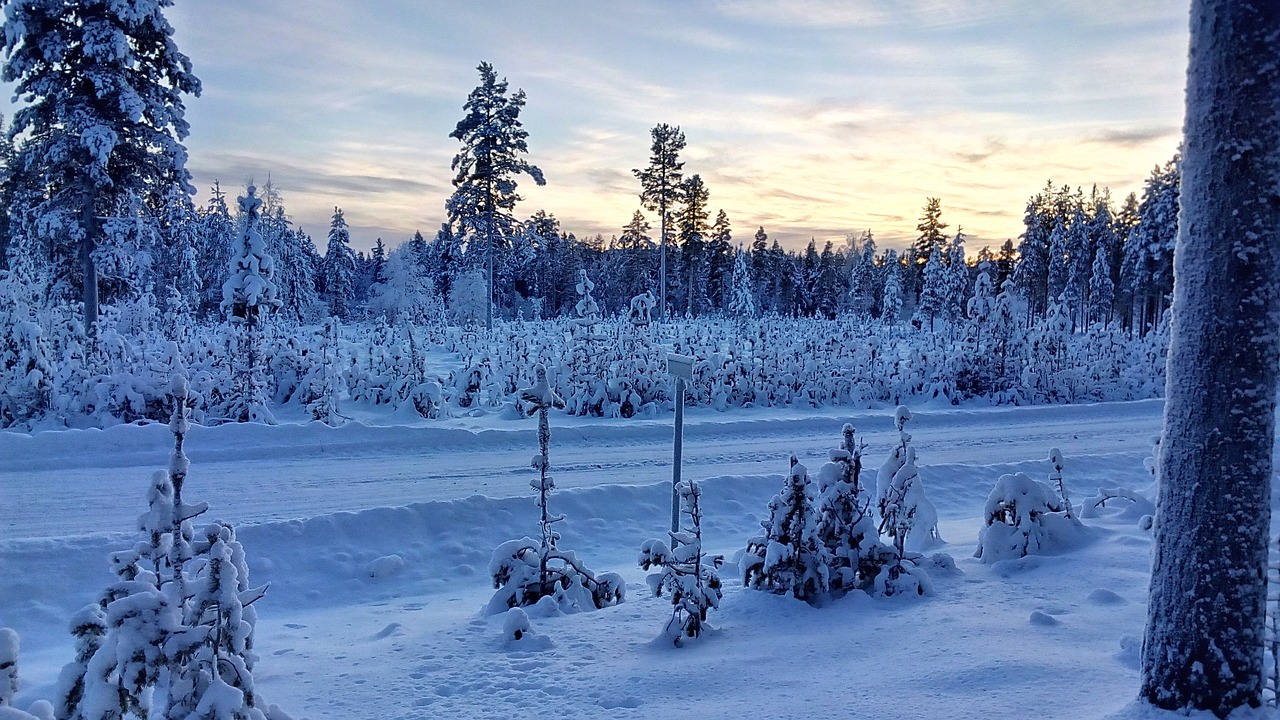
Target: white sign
{"x":681,"y":366}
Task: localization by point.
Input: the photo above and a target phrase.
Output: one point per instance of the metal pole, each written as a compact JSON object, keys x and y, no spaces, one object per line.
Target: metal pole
{"x":675,"y":466}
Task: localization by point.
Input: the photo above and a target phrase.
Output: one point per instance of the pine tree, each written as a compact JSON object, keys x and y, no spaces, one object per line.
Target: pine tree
{"x":635,"y":268}
{"x":660,"y":189}
{"x":1101,"y":291}
{"x":720,"y":263}
{"x":863,"y":278}
{"x":845,"y":525}
{"x":1147,"y":268}
{"x":692,"y":236}
{"x":217,"y":235}
{"x":891,"y":304}
{"x":930,"y":238}
{"x":493,"y":140}
{"x":742,"y":304}
{"x":104,"y":119}
{"x":933,"y":295}
{"x":525,"y":571}
{"x":957,"y":280}
{"x":1032,"y":270}
{"x":762,"y":272}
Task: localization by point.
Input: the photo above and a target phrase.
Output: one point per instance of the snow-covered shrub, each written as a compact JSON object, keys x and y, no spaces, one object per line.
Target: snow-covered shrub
{"x":39,"y":710}
{"x":687,"y":574}
{"x":526,"y":570}
{"x":8,"y":666}
{"x":1124,"y":500}
{"x":1024,"y":516}
{"x":845,"y":525}
{"x":906,"y":514}
{"x":788,"y":557}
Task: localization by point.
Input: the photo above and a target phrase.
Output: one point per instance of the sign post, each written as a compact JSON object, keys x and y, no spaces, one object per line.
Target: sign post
{"x":681,"y":366}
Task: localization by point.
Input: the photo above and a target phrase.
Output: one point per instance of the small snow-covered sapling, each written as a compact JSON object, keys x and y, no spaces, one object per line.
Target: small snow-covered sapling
{"x":787,"y":556}
{"x":845,"y":525}
{"x":524,"y":571}
{"x":686,"y":573}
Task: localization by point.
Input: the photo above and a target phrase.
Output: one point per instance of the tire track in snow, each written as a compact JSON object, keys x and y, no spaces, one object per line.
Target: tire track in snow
{"x":72,"y":482}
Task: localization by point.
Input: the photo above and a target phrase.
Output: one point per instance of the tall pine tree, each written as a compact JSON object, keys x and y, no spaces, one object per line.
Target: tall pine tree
{"x":493,"y":141}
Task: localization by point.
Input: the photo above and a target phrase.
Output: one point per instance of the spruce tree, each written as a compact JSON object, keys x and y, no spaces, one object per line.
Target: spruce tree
{"x":248,"y":295}
{"x":102,"y":82}
{"x":339,"y":268}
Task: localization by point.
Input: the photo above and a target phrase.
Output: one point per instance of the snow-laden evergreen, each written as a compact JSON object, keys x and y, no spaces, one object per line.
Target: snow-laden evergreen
{"x":525,"y":571}
{"x":846,"y":526}
{"x":685,"y":573}
{"x":1024,"y":516}
{"x":788,"y":557}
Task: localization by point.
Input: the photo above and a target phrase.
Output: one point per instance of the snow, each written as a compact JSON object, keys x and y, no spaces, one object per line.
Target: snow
{"x":319,"y":509}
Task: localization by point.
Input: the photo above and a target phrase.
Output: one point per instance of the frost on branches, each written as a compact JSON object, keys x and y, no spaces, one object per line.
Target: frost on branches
{"x":787,"y":558}
{"x":906,"y":514}
{"x":248,"y":290}
{"x":172,"y":637}
{"x":1024,"y":516}
{"x":526,"y":570}
{"x":845,"y":525}
{"x":686,"y":574}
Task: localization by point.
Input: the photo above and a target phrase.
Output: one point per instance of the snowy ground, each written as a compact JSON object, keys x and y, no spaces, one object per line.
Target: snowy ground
{"x":340,"y":635}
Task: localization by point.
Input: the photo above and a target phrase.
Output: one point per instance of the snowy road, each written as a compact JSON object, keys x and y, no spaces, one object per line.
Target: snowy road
{"x":62,"y":483}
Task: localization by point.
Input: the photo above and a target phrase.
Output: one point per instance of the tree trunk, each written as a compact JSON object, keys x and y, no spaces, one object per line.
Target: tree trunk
{"x":1204,"y":639}
{"x":89,"y":272}
{"x":662,"y":263}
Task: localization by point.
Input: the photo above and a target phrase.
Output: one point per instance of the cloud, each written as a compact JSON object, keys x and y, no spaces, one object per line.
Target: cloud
{"x":814,"y":118}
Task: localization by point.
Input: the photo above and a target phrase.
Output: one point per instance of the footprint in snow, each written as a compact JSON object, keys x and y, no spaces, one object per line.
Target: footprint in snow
{"x":627,"y":701}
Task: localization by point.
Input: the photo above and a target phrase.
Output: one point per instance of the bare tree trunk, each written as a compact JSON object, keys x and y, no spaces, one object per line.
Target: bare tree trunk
{"x":1204,"y":638}
{"x":662,"y":263}
{"x":89,"y":272}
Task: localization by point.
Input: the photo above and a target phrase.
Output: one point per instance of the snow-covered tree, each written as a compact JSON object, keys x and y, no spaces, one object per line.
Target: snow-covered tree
{"x":742,"y":303}
{"x":891,"y":303}
{"x":102,"y":82}
{"x":215,"y":643}
{"x":1101,"y":289}
{"x":524,"y":571}
{"x":934,"y":295}
{"x":486,"y":167}
{"x":687,"y":574}
{"x":845,"y":525}
{"x":248,"y":291}
{"x":788,"y":557}
{"x":906,"y":514}
{"x":864,"y":279}
{"x":338,"y":271}
{"x":1207,"y":602}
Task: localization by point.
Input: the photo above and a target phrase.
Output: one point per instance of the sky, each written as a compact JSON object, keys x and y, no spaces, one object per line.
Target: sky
{"x":811,"y":118}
